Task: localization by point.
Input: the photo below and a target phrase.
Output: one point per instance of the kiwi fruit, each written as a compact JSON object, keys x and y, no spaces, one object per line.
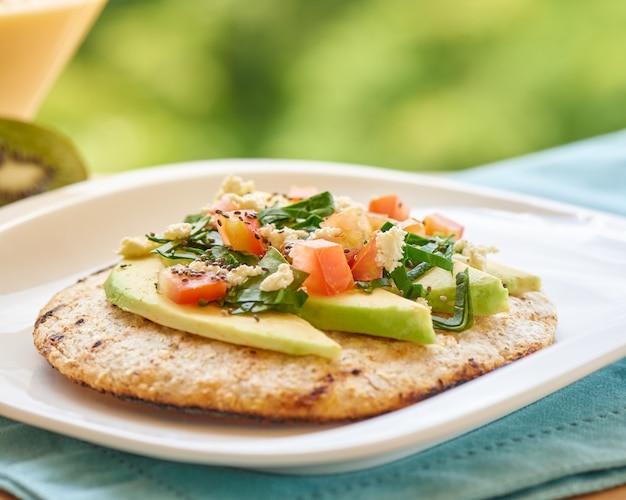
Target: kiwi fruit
{"x":34,"y":159}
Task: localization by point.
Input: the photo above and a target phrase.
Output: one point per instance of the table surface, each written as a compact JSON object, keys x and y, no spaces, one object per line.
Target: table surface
{"x":610,"y":494}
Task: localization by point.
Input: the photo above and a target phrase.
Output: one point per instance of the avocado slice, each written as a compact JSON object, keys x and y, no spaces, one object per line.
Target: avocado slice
{"x":515,"y":280}
{"x":381,"y":313}
{"x":131,"y":287}
{"x":488,"y":294}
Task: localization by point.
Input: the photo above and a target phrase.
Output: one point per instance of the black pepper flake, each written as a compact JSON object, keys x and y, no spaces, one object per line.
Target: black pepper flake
{"x":97,"y":343}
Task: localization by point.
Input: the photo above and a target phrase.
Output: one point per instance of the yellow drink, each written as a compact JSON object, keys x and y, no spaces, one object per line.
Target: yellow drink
{"x":37,"y":39}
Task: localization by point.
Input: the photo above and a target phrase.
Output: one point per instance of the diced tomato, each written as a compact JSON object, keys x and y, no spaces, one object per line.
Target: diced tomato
{"x":239,"y":230}
{"x":413,"y":226}
{"x":390,"y":205}
{"x":351,"y":228}
{"x":364,"y":266}
{"x":297,"y":193}
{"x":329,"y":273}
{"x":224,"y":204}
{"x":438,"y":225}
{"x":187,"y":287}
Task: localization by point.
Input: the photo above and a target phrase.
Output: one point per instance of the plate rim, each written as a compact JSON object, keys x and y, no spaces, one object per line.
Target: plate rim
{"x":78,"y":191}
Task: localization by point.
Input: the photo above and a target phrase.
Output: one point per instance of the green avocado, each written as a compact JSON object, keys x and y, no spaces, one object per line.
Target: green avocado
{"x":515,"y":280}
{"x":488,"y":294}
{"x":379,"y":313}
{"x":131,"y":286}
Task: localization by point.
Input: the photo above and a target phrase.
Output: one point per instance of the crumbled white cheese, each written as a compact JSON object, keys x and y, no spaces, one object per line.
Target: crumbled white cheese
{"x":239,"y":274}
{"x":282,"y":278}
{"x":327,"y":233}
{"x":235,"y":185}
{"x":201,"y":266}
{"x":423,"y":301}
{"x":389,"y":248}
{"x":178,"y":231}
{"x":136,"y":246}
{"x":256,"y":201}
{"x":343,"y":203}
{"x":279,"y":237}
{"x":476,"y":255}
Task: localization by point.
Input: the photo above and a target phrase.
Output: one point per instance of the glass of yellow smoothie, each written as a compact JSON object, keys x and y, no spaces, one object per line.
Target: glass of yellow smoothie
{"x":37,"y":39}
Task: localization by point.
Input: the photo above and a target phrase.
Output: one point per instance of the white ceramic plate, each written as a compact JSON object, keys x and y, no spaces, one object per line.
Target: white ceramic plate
{"x":51,"y":240}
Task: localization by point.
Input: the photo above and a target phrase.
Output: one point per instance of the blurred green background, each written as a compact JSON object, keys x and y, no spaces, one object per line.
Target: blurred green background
{"x":413,"y":85}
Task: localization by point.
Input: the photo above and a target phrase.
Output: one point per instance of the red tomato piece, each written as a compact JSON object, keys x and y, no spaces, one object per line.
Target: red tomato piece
{"x":390,"y":205}
{"x":297,"y":193}
{"x":224,"y":204}
{"x":438,"y":225}
{"x":183,"y":286}
{"x":239,"y":230}
{"x":364,"y":266}
{"x":329,"y":272}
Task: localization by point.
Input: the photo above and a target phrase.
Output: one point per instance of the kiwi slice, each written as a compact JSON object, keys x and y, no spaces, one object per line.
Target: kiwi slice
{"x":34,"y":159}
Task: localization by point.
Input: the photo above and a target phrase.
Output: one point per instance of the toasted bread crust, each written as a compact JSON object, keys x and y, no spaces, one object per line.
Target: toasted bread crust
{"x":94,"y":343}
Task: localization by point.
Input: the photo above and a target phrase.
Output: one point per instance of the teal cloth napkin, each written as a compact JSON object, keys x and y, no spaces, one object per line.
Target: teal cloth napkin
{"x":571,"y":442}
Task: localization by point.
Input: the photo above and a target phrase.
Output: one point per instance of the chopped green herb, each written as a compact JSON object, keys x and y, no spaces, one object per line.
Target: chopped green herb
{"x":369,"y":286}
{"x":202,"y":242}
{"x":463,"y":317}
{"x":433,"y":257}
{"x":249,"y":298}
{"x":421,"y":254}
{"x":406,"y":287}
{"x":193,"y":218}
{"x":305,"y":214}
{"x":227,"y":257}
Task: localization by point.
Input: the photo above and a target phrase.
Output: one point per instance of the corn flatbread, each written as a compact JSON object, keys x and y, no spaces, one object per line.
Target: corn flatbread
{"x":92,"y":342}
